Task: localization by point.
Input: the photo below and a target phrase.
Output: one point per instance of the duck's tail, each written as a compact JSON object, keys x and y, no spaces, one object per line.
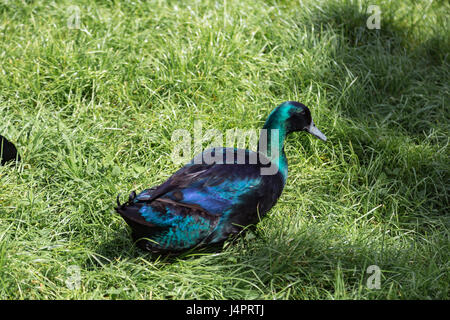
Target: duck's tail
{"x":141,"y":228}
{"x":130,"y":211}
{"x":131,"y":197}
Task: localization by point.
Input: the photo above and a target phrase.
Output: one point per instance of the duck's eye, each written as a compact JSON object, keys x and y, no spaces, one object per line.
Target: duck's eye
{"x":302,"y":113}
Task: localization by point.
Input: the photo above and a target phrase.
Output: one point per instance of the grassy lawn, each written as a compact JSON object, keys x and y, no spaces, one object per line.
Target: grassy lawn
{"x":92,"y":108}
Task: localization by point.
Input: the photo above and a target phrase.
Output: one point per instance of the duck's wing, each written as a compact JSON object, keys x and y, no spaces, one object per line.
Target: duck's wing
{"x":167,"y":226}
{"x":188,"y":212}
{"x":186,"y":209}
{"x":178,"y":179}
{"x":213,"y":186}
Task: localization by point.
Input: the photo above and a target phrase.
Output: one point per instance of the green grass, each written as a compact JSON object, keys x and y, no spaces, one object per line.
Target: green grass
{"x":92,"y":111}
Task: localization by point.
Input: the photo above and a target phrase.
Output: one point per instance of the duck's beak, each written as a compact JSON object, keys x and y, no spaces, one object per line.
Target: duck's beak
{"x":315,"y":132}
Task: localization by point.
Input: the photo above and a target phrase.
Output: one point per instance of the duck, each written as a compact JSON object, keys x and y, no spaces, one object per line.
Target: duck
{"x":8,"y":151}
{"x":220,"y":193}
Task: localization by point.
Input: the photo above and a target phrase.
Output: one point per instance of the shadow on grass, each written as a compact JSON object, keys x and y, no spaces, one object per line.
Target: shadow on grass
{"x":309,"y":263}
{"x":121,"y":246}
{"x":391,"y":86}
{"x":400,"y":79}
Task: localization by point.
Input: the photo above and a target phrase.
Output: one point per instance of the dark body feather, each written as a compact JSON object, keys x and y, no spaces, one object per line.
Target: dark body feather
{"x":202,"y":203}
{"x":8,"y":151}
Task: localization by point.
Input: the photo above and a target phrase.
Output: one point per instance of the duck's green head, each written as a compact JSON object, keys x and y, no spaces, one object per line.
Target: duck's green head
{"x":293,"y":116}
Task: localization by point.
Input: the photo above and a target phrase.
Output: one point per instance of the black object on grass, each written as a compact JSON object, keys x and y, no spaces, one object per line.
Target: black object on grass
{"x":8,"y":151}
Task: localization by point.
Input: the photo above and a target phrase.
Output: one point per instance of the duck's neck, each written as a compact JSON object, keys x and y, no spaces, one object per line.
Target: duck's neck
{"x":276,"y":132}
